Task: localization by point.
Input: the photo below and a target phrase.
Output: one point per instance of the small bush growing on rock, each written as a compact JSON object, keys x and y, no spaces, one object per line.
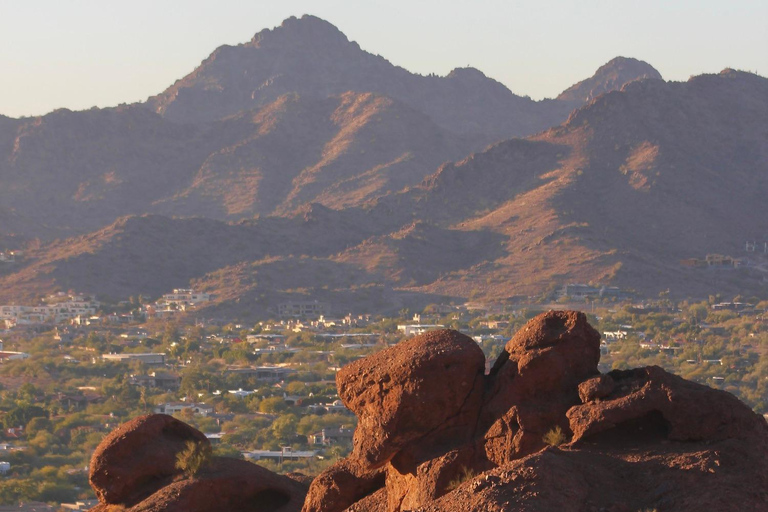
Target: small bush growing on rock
{"x":554,"y":437}
{"x":464,"y":475}
{"x":193,"y":458}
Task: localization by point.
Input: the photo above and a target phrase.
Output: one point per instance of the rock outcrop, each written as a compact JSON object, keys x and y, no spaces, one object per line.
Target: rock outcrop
{"x":134,"y":470}
{"x":451,"y":439}
{"x":436,"y":434}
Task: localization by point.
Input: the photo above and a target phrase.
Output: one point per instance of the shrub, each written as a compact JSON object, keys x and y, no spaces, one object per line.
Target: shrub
{"x":555,"y":437}
{"x":193,"y":458}
{"x":464,"y":474}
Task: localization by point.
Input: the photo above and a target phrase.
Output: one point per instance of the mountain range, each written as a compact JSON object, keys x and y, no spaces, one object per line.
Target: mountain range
{"x":299,"y":165}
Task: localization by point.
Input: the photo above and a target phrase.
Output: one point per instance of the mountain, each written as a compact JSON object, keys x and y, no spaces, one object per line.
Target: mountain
{"x":338,"y":151}
{"x":76,"y":172}
{"x":645,"y":177}
{"x":297,"y":115}
{"x":610,"y":77}
{"x":311,"y":57}
{"x":632,"y":184}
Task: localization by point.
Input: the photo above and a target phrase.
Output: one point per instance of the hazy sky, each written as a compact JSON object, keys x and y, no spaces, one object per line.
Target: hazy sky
{"x":81,"y":53}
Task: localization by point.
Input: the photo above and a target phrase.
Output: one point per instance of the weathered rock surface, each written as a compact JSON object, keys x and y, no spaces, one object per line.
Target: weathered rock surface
{"x":436,"y":435}
{"x":640,"y":439}
{"x":535,"y":381}
{"x":685,"y":410}
{"x":341,"y":485}
{"x":428,"y":385}
{"x":134,"y":469}
{"x":139,"y":457}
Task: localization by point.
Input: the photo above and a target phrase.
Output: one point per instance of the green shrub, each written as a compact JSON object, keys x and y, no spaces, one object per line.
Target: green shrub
{"x":193,"y":458}
{"x":555,"y":437}
{"x":464,"y":475}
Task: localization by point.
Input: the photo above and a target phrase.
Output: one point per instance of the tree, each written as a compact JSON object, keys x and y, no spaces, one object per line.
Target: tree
{"x":21,"y":415}
{"x":193,"y":458}
{"x":273,"y":405}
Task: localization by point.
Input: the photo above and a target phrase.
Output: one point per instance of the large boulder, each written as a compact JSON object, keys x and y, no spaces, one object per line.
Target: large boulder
{"x":341,"y":485}
{"x":675,"y":408}
{"x":535,"y":381}
{"x":227,"y":484}
{"x":428,"y":385}
{"x":139,"y":457}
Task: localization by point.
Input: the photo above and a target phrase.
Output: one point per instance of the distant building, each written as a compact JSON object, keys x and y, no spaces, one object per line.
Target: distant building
{"x":303,"y":309}
{"x":329,"y":436}
{"x":11,"y":356}
{"x":174,"y":407}
{"x":185,"y":296}
{"x":161,"y":380}
{"x":146,"y":358}
{"x":287,"y":453}
{"x":80,"y":505}
{"x":417,"y":329}
{"x":264,"y":373}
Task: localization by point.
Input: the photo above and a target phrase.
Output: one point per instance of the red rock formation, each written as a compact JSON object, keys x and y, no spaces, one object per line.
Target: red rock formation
{"x":139,"y":457}
{"x":686,"y":411}
{"x":535,"y":381}
{"x":436,"y":435}
{"x":134,"y":469}
{"x":428,"y":385}
{"x":341,"y":485}
{"x":641,"y":439}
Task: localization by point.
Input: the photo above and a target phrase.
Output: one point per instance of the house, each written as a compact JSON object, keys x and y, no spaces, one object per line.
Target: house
{"x":80,"y":505}
{"x":417,"y":329}
{"x":185,"y":296}
{"x":286,"y":453}
{"x":329,"y":436}
{"x":175,"y":407}
{"x":162,"y":380}
{"x":269,"y":338}
{"x":299,"y":309}
{"x":240,"y":393}
{"x":78,"y":401}
{"x":11,"y":356}
{"x":264,"y":373}
{"x":146,"y":358}
{"x":335,"y":406}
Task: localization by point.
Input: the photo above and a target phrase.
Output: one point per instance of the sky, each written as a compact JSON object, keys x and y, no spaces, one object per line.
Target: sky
{"x":78,"y":54}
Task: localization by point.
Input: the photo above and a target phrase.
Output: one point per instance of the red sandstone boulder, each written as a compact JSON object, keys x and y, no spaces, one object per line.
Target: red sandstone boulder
{"x":427,"y":384}
{"x":535,"y":381}
{"x":551,"y":354}
{"x":341,"y":485}
{"x":596,"y":388}
{"x":139,"y":457}
{"x":685,"y":410}
{"x":230,"y":485}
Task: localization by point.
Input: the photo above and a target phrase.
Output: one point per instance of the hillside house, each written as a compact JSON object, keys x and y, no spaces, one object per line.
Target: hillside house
{"x":176,"y":407}
{"x":303,"y":309}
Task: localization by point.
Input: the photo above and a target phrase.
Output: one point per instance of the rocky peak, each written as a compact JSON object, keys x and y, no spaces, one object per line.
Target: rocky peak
{"x":307,"y":30}
{"x":610,"y":77}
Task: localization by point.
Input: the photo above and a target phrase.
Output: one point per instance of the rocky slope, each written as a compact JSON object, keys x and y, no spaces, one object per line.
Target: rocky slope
{"x":629,"y":186}
{"x":310,"y":56}
{"x":435,"y":433}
